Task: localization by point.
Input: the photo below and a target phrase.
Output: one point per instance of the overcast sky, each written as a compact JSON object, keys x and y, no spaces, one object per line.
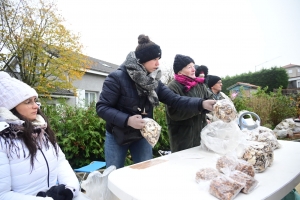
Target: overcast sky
{"x":230,"y":37}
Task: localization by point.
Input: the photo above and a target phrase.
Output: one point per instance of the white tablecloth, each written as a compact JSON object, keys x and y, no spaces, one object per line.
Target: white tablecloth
{"x":173,"y":176}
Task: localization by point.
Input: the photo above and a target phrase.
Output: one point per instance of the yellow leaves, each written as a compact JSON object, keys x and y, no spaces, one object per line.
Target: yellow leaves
{"x":49,"y":55}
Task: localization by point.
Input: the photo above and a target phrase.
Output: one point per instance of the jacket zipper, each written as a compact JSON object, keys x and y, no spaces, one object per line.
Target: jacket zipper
{"x":48,"y":177}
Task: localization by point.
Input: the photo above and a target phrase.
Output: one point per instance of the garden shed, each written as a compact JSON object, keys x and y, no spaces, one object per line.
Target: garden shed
{"x":247,"y":87}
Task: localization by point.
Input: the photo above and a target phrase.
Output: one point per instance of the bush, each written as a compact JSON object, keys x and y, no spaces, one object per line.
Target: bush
{"x":272,"y":108}
{"x":163,"y":142}
{"x":79,"y":131}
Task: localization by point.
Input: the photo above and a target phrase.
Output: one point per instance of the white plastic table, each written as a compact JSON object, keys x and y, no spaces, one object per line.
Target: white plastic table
{"x":173,"y":176}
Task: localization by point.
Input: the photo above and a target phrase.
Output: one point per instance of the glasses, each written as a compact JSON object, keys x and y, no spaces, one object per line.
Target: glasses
{"x":32,"y":102}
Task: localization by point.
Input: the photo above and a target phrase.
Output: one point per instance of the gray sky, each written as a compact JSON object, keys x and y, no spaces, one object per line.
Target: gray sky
{"x":229,"y":37}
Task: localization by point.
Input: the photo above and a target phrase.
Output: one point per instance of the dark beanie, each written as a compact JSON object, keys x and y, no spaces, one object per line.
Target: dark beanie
{"x":212,"y":80}
{"x":180,"y":62}
{"x":146,"y":50}
{"x":201,"y":68}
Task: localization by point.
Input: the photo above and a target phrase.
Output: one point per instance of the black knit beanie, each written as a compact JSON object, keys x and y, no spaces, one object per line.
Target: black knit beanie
{"x":146,"y":50}
{"x":180,"y":62}
{"x":201,"y":68}
{"x":212,"y":80}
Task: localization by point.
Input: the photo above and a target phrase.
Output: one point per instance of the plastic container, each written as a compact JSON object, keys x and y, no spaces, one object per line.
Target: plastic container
{"x":246,"y":121}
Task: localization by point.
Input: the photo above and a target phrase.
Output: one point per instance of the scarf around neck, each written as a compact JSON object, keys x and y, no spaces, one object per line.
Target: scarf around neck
{"x":145,"y":83}
{"x":14,"y":131}
{"x":216,"y":96}
{"x":188,"y":82}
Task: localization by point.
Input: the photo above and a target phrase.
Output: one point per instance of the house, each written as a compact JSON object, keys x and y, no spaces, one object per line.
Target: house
{"x":247,"y":88}
{"x":88,"y":87}
{"x":293,"y":72}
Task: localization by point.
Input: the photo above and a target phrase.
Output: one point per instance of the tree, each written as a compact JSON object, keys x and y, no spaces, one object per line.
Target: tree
{"x":272,"y":78}
{"x":167,"y":75}
{"x":37,"y":47}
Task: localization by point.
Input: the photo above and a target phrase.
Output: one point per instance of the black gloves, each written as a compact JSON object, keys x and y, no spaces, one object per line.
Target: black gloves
{"x":59,"y":192}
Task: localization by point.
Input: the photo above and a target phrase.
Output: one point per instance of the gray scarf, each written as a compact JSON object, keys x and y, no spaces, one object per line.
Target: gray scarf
{"x":145,"y":83}
{"x":216,"y":96}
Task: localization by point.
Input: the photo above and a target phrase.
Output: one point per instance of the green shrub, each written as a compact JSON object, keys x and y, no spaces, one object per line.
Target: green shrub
{"x":283,"y":107}
{"x":160,"y":118}
{"x":271,"y":107}
{"x":79,"y":131}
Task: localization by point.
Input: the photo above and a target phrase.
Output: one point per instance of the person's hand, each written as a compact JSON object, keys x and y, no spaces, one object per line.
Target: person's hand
{"x":67,"y":193}
{"x":60,"y":192}
{"x":136,"y":121}
{"x":208,"y":104}
{"x":44,"y":198}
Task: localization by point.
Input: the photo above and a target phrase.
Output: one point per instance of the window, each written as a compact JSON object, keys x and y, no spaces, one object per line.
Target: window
{"x":290,"y":71}
{"x":90,"y":97}
{"x":298,"y":84}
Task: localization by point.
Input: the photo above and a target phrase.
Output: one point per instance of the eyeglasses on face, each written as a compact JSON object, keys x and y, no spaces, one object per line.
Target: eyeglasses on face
{"x":32,"y":101}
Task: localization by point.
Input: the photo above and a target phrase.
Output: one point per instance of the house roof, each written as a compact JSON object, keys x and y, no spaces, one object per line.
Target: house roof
{"x":242,"y":84}
{"x":97,"y":65}
{"x":102,"y":66}
{"x":290,"y":65}
{"x":63,"y":92}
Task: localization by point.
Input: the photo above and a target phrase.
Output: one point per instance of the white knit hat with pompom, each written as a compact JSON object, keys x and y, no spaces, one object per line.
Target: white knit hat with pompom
{"x":13,"y":91}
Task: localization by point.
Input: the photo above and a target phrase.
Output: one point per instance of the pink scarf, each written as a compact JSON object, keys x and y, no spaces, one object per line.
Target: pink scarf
{"x":188,"y":82}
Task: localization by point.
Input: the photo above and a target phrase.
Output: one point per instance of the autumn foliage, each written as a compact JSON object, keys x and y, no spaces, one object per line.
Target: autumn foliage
{"x":37,"y":48}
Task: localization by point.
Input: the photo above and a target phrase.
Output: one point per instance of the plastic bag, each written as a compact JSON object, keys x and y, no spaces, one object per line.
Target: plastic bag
{"x":245,"y":167}
{"x":228,"y":163}
{"x":263,"y":134}
{"x":151,"y":131}
{"x":206,"y":174}
{"x":225,"y":188}
{"x":224,"y":110}
{"x":221,"y":137}
{"x":259,"y":154}
{"x":249,"y":182}
{"x":95,"y":185}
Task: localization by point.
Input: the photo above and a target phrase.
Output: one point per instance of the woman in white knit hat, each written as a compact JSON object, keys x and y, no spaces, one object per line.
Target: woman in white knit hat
{"x":31,"y":162}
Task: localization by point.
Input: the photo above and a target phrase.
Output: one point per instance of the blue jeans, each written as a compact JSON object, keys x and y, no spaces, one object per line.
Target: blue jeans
{"x":115,"y":154}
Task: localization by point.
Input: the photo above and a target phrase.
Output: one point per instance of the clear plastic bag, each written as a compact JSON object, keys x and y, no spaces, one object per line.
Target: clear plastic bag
{"x":259,"y":154}
{"x":226,"y":163}
{"x":249,"y":182}
{"x":225,"y":188}
{"x":221,"y":137}
{"x":263,"y":134}
{"x":206,"y":174}
{"x":95,"y":185}
{"x":151,"y":131}
{"x":224,"y":110}
{"x":245,"y":167}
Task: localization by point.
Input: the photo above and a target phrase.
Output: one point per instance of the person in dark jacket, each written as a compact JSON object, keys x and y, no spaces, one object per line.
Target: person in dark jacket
{"x":184,"y":127}
{"x":129,"y":94}
{"x":214,"y":84}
